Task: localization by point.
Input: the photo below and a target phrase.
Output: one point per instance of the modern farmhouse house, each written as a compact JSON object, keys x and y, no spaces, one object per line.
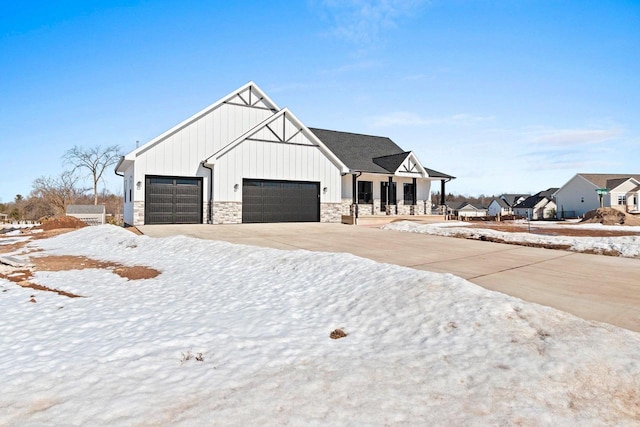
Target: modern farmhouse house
{"x":244,"y":159}
{"x":578,"y":196}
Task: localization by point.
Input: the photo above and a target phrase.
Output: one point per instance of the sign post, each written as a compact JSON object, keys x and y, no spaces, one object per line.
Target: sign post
{"x":601,"y":192}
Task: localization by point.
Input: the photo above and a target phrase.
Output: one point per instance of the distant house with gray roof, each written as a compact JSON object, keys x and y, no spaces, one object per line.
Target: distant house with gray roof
{"x":466,"y":209}
{"x":541,"y":205}
{"x":504,"y":204}
{"x":578,"y":196}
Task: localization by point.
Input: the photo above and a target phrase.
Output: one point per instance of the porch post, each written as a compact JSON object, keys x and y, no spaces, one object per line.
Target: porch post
{"x":442,"y":192}
{"x":389,"y":195}
{"x":415,"y":191}
{"x":354,"y":190}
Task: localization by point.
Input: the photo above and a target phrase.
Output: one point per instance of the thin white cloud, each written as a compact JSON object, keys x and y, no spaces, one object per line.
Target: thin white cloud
{"x":362,"y":21}
{"x":403,"y":118}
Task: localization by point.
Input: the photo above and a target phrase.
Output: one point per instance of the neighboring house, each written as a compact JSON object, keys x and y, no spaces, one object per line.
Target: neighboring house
{"x":578,"y":196}
{"x":468,"y":210}
{"x":514,"y":199}
{"x":503,"y":205}
{"x":499,"y":207}
{"x":541,"y":205}
{"x":244,"y":159}
{"x":4,"y":217}
{"x":90,"y":214}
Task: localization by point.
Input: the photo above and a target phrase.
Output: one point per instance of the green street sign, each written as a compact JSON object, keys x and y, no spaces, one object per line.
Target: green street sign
{"x":601,"y":191}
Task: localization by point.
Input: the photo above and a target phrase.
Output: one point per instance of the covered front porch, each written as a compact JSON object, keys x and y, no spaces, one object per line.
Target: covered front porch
{"x":371,"y":195}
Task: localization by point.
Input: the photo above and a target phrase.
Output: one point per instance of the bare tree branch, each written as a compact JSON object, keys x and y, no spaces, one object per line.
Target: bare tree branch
{"x":95,"y":160}
{"x":56,"y":193}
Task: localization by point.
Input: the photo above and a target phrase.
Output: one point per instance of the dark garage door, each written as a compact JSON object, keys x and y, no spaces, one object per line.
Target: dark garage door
{"x":173,"y":200}
{"x":280,"y":201}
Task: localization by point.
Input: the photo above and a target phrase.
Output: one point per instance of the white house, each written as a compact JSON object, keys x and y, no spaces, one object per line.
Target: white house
{"x":499,"y":207}
{"x":468,"y":210}
{"x":244,"y":159}
{"x":578,"y":196}
{"x":541,"y":205}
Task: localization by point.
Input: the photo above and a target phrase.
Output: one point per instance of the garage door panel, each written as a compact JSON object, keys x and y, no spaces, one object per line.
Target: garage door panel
{"x":280,"y":201}
{"x":173,"y":200}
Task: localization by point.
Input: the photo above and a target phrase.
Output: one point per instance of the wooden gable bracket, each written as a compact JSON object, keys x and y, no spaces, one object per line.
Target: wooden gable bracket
{"x":248,"y":103}
{"x":411,"y":169}
{"x":281,"y":139}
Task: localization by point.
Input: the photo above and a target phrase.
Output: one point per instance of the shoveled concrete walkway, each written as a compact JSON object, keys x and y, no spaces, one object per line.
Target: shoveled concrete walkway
{"x":594,"y":287}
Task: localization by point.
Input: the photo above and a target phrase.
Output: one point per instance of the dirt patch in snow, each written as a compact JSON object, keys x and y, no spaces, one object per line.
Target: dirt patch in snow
{"x":62,"y":222}
{"x":72,"y":262}
{"x":21,"y":277}
{"x":336,"y":334}
{"x":610,"y":216}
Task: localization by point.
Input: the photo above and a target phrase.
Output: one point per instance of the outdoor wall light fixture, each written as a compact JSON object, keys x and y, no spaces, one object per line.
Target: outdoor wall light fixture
{"x":235,"y":187}
{"x":324,"y":190}
{"x":139,"y":185}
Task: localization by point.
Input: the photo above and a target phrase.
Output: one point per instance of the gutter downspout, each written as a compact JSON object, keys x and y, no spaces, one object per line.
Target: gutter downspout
{"x":210,"y":201}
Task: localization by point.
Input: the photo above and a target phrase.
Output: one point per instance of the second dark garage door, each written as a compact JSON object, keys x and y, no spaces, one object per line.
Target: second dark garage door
{"x":280,"y":201}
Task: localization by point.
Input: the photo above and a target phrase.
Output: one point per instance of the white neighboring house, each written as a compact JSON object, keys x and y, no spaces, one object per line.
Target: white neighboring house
{"x":499,"y":207}
{"x":541,"y":205}
{"x":468,"y":210}
{"x":578,"y":196}
{"x":244,"y":159}
{"x":89,"y":214}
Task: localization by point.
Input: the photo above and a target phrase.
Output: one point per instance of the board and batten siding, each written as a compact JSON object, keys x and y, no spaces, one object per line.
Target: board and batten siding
{"x":251,"y":159}
{"x":181,"y":153}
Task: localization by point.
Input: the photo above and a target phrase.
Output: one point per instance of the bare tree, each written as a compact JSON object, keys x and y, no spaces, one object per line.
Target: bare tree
{"x":95,"y":159}
{"x":56,"y":193}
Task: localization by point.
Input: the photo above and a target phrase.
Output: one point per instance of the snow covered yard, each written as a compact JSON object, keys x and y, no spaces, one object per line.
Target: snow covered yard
{"x":239,"y":335}
{"x":626,"y":246}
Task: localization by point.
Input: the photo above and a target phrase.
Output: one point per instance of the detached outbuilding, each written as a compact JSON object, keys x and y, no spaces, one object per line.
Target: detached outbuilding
{"x":244,"y":159}
{"x":89,"y":214}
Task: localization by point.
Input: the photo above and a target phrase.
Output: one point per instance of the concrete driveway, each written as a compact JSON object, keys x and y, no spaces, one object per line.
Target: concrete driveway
{"x":594,"y":287}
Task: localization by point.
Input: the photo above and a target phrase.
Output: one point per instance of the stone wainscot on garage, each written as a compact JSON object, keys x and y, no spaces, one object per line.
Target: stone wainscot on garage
{"x":244,"y":159}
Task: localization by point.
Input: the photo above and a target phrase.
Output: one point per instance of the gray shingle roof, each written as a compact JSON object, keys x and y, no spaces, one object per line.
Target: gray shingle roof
{"x":367,"y":153}
{"x":390,"y":163}
{"x":613,"y":183}
{"x":532,"y":201}
{"x":511,"y":199}
{"x":600,"y":179}
{"x":358,"y":151}
{"x":502,"y":203}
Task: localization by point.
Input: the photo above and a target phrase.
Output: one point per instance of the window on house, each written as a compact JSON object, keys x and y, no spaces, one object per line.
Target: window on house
{"x":622,"y":200}
{"x":365,"y":192}
{"x":408,"y":194}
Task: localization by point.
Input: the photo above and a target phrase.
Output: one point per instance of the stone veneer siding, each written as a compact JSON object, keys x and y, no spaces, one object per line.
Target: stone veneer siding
{"x":331,"y":212}
{"x":138,"y":213}
{"x":227,"y":212}
{"x":346,"y":207}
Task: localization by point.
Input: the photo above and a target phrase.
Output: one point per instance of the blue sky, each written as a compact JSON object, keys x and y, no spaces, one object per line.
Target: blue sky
{"x":508,"y":96}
